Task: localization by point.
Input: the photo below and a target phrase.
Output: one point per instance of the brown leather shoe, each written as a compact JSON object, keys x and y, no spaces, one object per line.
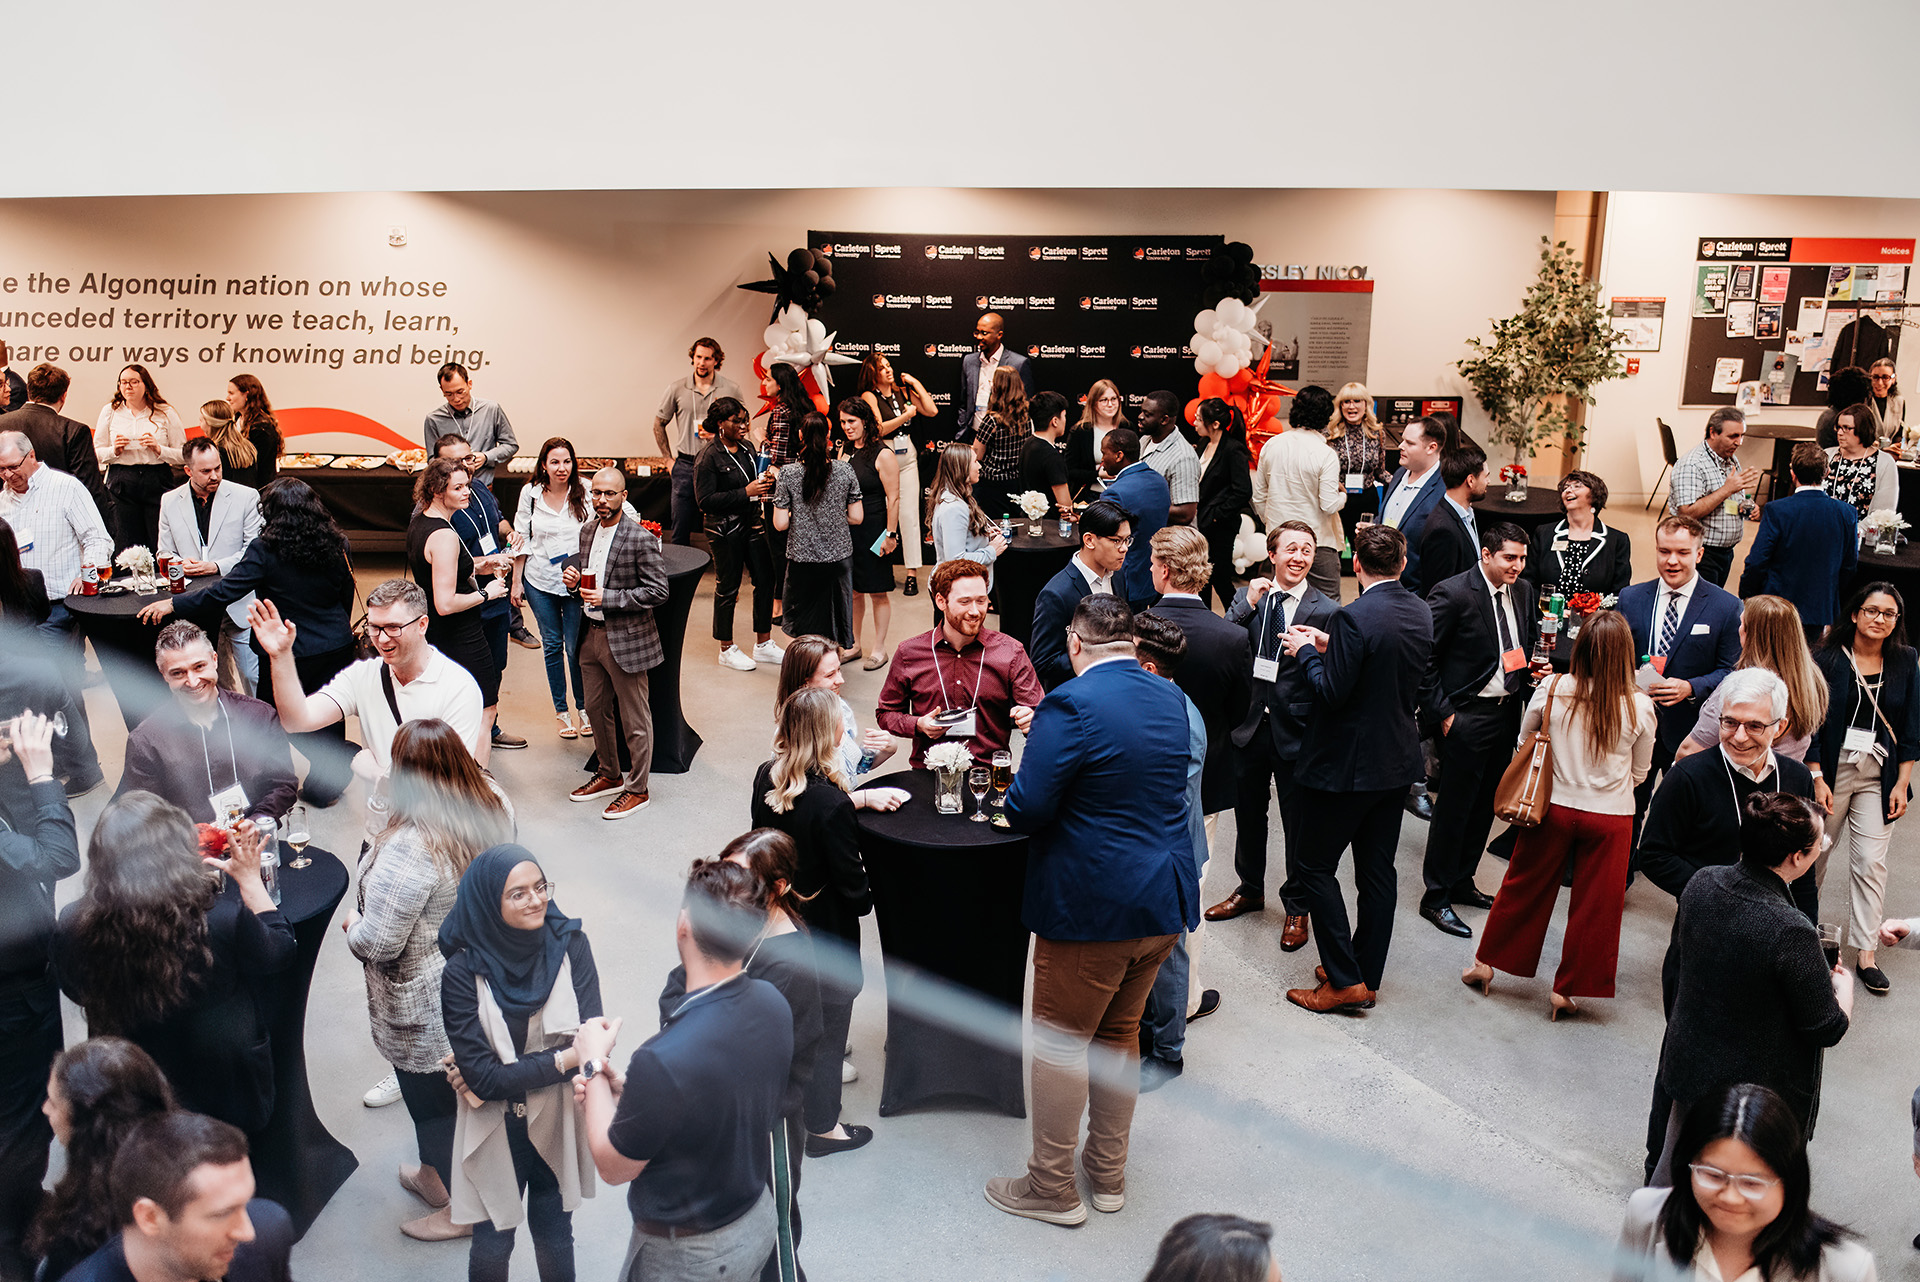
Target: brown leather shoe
{"x":1295,"y":935}
{"x":593,"y":788}
{"x":1324,"y":998}
{"x":1320,"y":977}
{"x":627,"y":803}
{"x":1236,"y":905}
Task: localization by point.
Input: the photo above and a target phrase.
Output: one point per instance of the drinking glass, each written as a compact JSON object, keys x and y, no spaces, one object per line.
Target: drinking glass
{"x":58,"y":720}
{"x":978,"y":780}
{"x":1002,"y":776}
{"x":1830,"y":943}
{"x":298,"y":835}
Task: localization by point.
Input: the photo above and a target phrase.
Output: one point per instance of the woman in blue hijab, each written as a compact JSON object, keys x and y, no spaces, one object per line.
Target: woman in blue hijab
{"x":519,"y":980}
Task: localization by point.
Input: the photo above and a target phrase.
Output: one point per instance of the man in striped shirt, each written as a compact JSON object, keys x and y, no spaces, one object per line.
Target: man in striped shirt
{"x":55,"y":524}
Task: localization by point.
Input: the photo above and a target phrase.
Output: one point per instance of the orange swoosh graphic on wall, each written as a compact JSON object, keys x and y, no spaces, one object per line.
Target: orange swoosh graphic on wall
{"x":309,"y":420}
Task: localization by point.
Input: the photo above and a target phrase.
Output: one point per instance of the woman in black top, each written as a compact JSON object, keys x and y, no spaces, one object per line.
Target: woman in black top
{"x":801,"y":792}
{"x":1874,"y":702}
{"x":505,"y":929}
{"x":257,"y":462}
{"x":731,"y":487}
{"x":1579,"y":552}
{"x":156,"y":952}
{"x":876,"y":538}
{"x":299,"y":562}
{"x":23,"y":592}
{"x":1226,"y":488}
{"x":440,"y":563}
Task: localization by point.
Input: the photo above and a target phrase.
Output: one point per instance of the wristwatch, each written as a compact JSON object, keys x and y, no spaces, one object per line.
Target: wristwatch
{"x":589,"y":1069}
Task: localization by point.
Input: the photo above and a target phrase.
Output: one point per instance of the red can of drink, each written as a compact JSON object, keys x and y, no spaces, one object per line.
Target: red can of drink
{"x":176,"y":577}
{"x":160,"y":563}
{"x":89,"y":579}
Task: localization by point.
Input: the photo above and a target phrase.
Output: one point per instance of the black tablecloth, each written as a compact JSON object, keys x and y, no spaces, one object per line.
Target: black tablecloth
{"x":125,"y":645}
{"x":1542,"y":505}
{"x":374,"y":505}
{"x":946,"y":897}
{"x":1024,"y":568}
{"x":1784,"y":437}
{"x":674,"y":741}
{"x":1902,"y":569}
{"x":297,"y":1162}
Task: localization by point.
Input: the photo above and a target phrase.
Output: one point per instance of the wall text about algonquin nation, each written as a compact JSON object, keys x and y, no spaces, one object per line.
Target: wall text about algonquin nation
{"x":89,"y":317}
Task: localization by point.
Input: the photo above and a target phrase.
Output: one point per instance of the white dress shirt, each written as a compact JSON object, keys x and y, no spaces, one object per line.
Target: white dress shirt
{"x":597,"y":563}
{"x":1098,"y":584}
{"x":1403,"y":497}
{"x":123,"y":424}
{"x":984,"y":388}
{"x":1684,"y":595}
{"x":56,"y":526}
{"x":1496,"y":687}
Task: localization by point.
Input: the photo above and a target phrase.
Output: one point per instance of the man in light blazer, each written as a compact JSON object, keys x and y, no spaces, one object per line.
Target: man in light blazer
{"x":1267,"y":742}
{"x":976,"y":372}
{"x":207,"y":525}
{"x":1105,"y":534}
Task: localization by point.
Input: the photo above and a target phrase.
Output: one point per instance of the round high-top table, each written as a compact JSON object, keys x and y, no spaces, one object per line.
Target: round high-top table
{"x":1542,"y":505}
{"x":1902,"y":569}
{"x":125,"y":645}
{"x":1024,"y":568}
{"x":946,"y":898}
{"x":674,"y":741}
{"x":1784,"y":437}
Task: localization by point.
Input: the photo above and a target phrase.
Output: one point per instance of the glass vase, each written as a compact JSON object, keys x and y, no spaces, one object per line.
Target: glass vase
{"x":1033,"y":530}
{"x":946,"y":791}
{"x":1517,"y":492}
{"x":1883,"y":544}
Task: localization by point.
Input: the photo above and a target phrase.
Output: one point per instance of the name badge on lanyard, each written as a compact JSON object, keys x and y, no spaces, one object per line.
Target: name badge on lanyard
{"x":1266,"y":670}
{"x":229,"y":804}
{"x":1858,"y":739}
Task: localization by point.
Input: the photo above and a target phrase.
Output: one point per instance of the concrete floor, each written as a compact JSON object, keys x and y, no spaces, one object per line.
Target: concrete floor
{"x":1442,"y":1134}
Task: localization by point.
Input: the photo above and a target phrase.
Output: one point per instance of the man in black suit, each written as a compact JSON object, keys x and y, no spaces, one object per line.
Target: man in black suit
{"x":1105,"y":536}
{"x":977,"y":368}
{"x":1477,"y":686}
{"x":61,"y":443}
{"x":1267,"y":743}
{"x":1360,"y":753}
{"x":1450,"y":541}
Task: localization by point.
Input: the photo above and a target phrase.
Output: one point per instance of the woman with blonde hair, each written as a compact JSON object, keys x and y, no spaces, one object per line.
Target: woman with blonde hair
{"x":1603,"y":732}
{"x":1000,"y":439}
{"x":961,"y":530}
{"x":1100,"y":412}
{"x":1771,"y":637}
{"x":803,"y":793}
{"x":443,"y":810}
{"x":1356,"y":436}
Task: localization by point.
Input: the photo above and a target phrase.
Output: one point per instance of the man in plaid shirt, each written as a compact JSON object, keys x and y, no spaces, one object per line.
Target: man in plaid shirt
{"x":54,"y":523}
{"x":1710,"y":486}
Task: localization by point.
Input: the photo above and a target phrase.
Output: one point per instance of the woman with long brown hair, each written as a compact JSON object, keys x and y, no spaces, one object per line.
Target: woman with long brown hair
{"x":548,"y":517}
{"x":877,"y":538}
{"x":1101,"y":410}
{"x":1603,"y":731}
{"x":137,"y":438}
{"x":898,"y":401}
{"x":1771,"y":637}
{"x":440,"y":563}
{"x":252,"y":454}
{"x":961,"y":530}
{"x":999,"y":441}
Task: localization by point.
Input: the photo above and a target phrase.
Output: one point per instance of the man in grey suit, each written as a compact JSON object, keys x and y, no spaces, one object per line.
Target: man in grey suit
{"x":622,"y":580}
{"x":1267,"y":742}
{"x":976,"y":372}
{"x":206,"y":525}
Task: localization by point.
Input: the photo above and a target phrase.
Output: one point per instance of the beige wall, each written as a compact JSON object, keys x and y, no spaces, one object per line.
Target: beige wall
{"x":584,"y":303}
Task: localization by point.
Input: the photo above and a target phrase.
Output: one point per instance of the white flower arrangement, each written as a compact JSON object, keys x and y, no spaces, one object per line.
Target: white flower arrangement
{"x":949,"y":756}
{"x":1033,"y":503}
{"x":135,"y":560}
{"x":1882,"y":519}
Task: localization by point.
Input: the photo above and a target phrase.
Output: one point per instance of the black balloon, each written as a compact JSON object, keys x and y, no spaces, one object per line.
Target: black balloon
{"x":799,"y":260}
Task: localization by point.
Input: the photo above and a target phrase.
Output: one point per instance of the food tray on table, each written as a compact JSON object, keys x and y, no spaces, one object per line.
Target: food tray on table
{"x":357,"y":462}
{"x":306,"y":460}
{"x":413,"y":460}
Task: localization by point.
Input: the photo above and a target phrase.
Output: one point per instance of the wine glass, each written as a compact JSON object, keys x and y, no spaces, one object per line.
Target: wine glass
{"x":298,"y":835}
{"x":979,"y":778}
{"x":58,"y":721}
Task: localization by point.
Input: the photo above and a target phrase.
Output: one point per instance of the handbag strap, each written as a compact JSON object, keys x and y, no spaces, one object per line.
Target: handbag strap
{"x":1546,"y":713}
{"x":386,"y":686}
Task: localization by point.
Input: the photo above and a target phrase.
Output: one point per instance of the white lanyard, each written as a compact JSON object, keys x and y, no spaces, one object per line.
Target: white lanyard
{"x":232,"y":756}
{"x":728,"y":451}
{"x":978,"y":677}
{"x":1734,"y":789}
{"x":1873,"y":694}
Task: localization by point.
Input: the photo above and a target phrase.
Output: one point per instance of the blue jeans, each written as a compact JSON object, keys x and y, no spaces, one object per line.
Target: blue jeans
{"x":559,"y":618}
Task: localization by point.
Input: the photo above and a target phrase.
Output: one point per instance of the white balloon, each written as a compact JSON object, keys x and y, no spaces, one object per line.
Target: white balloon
{"x":1209,"y":351}
{"x":1229,"y":311}
{"x":773,"y":336}
{"x":1204,"y":322}
{"x":1201,"y":367}
{"x":816,"y":331}
{"x":1228,"y":367}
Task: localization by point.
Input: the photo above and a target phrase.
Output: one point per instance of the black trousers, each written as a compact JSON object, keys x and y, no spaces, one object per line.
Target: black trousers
{"x":30,"y":1036}
{"x":1370,"y":823}
{"x":137,"y":489}
{"x":743,"y":550}
{"x":1259,"y":768}
{"x":1716,"y":564}
{"x":795,"y":1124}
{"x":838,"y":958}
{"x":1662,"y":760}
{"x":550,"y":1224}
{"x":1472,"y":758}
{"x":329,"y":750}
{"x":433,"y":1107}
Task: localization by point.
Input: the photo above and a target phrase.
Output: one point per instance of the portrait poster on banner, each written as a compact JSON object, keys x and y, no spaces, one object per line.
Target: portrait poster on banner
{"x":1321,"y":330}
{"x":1766,"y":319}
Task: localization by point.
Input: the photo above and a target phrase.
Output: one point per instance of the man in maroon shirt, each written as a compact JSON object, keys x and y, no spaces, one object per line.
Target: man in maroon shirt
{"x":960,"y":665}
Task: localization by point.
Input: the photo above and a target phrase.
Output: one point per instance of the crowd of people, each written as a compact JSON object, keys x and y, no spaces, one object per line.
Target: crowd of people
{"x":1718,"y":746}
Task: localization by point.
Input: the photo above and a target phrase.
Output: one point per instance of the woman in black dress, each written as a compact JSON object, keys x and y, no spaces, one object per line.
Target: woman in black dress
{"x":1226,"y":488}
{"x":1579,"y":552}
{"x":253,"y":423}
{"x":877,"y":537}
{"x":441,"y":564}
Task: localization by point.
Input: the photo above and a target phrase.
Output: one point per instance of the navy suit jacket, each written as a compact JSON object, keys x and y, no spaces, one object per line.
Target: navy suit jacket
{"x":970,"y":385}
{"x":1704,"y":650}
{"x":1414,"y":523}
{"x":1287,"y":700}
{"x":1144,"y":494}
{"x":1466,"y":642}
{"x":1362,"y":736}
{"x":1052,"y":612}
{"x":1102,"y":788}
{"x":1805,"y":551}
{"x":1217,"y":674}
{"x":1447,"y":548}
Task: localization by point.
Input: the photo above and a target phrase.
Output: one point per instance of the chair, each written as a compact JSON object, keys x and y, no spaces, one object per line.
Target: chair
{"x":1672,"y":456}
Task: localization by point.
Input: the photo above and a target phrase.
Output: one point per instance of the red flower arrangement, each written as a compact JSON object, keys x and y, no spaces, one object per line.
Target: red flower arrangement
{"x":213,"y":841}
{"x":1583,"y":603}
{"x":652,"y":527}
{"x":1512,"y":473}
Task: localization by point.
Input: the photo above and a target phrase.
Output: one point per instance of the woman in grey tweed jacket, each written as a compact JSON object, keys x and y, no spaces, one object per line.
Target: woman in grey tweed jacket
{"x":444,"y":812}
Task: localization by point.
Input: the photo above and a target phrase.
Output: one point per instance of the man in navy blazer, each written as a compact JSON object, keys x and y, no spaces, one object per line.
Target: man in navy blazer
{"x":1450,"y":540}
{"x":1360,"y":754}
{"x":1689,"y":630}
{"x":1807,"y":545}
{"x":1413,"y":490}
{"x":1111,"y":883}
{"x":1143,"y":492}
{"x":1104,"y":531}
{"x":976,"y":372}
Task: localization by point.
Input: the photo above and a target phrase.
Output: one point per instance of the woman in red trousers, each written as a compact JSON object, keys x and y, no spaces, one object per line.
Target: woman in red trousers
{"x":1603,"y":732}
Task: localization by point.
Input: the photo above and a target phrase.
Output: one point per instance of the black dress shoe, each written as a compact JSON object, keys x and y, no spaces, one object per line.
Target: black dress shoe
{"x":821,"y":1146}
{"x":1419,"y":805}
{"x":1447,"y":920}
{"x":1156,"y":1072}
{"x":1209,"y":1003}
{"x":1473,"y":897}
{"x":912,"y":588}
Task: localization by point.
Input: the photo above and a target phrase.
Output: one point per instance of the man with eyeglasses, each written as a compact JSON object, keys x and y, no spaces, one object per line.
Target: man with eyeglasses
{"x":55,"y":524}
{"x":407,"y":680}
{"x":1106,"y":533}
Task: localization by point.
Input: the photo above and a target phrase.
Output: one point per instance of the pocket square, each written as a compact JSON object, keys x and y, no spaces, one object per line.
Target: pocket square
{"x":1700,"y":629}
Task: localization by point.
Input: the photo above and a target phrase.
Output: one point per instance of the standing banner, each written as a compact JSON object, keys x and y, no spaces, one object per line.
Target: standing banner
{"x":1321,"y":330}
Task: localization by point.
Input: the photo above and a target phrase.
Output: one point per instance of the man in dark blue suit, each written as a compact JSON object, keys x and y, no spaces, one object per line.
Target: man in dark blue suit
{"x":976,"y":372}
{"x":1360,"y":754}
{"x":1807,"y":545}
{"x":1450,"y":540}
{"x":1111,"y":883}
{"x":1413,"y":490}
{"x":1689,"y":632}
{"x":1104,"y":536}
{"x":1143,"y":492}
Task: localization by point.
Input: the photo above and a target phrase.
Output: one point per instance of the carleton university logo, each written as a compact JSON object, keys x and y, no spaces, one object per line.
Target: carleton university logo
{"x":1140,"y":253}
{"x":1085,"y":302}
{"x":933,"y":251}
{"x":1033,"y":349}
{"x":932,"y":350}
{"x":1033,"y":252}
{"x":879,"y":300}
{"x":980,"y":301}
{"x":827,"y":250}
{"x":1135,"y":353}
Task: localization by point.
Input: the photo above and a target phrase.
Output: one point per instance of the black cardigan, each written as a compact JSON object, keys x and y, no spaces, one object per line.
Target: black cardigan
{"x":1693,"y":821}
{"x":720,"y":488}
{"x":319,"y":603}
{"x":486,"y":1075}
{"x":1608,"y":573}
{"x":1899,"y":702}
{"x":1755,"y":1001}
{"x":831,"y":877}
{"x":1226,"y":487}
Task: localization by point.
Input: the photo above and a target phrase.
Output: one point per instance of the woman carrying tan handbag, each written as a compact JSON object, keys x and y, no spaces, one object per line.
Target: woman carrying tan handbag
{"x":1602,"y":732}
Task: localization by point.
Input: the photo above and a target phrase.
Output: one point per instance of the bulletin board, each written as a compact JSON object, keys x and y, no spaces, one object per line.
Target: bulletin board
{"x":1771,"y":317}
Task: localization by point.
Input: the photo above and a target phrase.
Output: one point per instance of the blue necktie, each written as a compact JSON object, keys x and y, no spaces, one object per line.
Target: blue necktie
{"x":1670,"y":624}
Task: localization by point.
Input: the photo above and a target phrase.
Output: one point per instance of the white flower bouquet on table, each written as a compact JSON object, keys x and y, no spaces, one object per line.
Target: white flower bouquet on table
{"x":1034,"y":504}
{"x":949,"y":756}
{"x":1881,"y":527}
{"x":949,"y":763}
{"x":138,"y":562}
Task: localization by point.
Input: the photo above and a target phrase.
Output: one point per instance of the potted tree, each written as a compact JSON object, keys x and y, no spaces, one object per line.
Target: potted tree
{"x":1556,"y":348}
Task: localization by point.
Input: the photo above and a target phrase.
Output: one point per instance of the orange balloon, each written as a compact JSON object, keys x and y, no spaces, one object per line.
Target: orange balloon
{"x":1213,"y":385}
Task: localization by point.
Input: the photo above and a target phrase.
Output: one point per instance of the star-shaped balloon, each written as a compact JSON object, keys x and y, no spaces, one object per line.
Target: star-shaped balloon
{"x":806,"y":281}
{"x":797,"y":340}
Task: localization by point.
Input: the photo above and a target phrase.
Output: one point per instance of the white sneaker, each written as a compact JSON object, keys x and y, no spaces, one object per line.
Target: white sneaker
{"x":383,"y":1092}
{"x":848,"y":1073}
{"x":768,"y":652}
{"x":736,"y":658}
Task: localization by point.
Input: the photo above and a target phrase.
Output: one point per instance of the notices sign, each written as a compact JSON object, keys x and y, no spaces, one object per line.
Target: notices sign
{"x":1641,"y":320}
{"x":1710,"y":289}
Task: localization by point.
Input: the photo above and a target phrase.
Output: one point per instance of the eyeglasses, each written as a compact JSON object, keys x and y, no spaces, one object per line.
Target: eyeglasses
{"x":1711,"y":1179}
{"x":1124,"y":540}
{"x":392,"y":631}
{"x":520,"y":895}
{"x":1730,"y":724}
{"x":1880,"y":378}
{"x":1871,"y":611}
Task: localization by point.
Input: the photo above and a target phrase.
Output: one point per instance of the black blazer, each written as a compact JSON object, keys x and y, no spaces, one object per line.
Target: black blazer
{"x":1217,"y":674}
{"x":1899,"y":703}
{"x":1052,"y":612}
{"x":831,"y":878}
{"x":1362,"y":736}
{"x":1446,"y":548}
{"x":1607,"y":559}
{"x":319,"y":603}
{"x":1466,"y":641}
{"x":1082,"y":467}
{"x":1286,"y":701}
{"x":1226,"y":487}
{"x":61,"y":443}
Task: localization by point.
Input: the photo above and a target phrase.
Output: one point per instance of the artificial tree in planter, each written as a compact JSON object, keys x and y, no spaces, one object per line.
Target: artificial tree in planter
{"x":1558,"y":345}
